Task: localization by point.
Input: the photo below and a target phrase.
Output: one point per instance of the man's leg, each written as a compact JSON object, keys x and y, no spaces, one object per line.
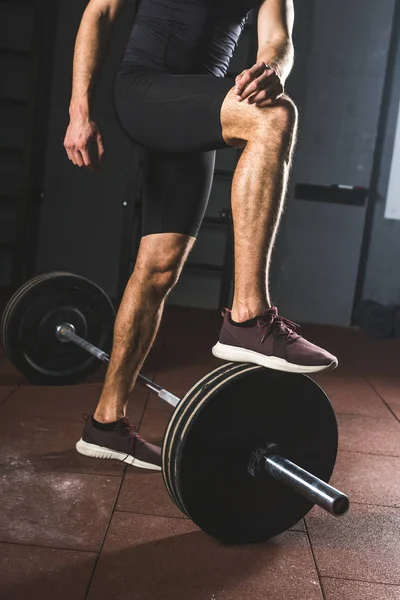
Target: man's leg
{"x":175,"y":196}
{"x":108,"y":434}
{"x":158,"y":266}
{"x":258,"y":192}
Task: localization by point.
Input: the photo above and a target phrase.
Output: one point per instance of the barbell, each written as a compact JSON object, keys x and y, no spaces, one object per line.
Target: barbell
{"x":234,"y":444}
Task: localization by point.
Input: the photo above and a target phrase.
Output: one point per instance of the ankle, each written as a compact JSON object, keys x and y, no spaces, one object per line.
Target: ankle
{"x":109,"y":417}
{"x":241,"y":313}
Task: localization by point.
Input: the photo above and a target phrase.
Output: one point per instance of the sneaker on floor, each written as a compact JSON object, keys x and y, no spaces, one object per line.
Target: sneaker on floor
{"x":271,"y":341}
{"x":122,"y":442}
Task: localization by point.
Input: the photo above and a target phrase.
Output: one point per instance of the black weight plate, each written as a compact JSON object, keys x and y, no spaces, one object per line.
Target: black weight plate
{"x":183,"y":406}
{"x":15,"y":298}
{"x":28,"y":327}
{"x":213,"y":443}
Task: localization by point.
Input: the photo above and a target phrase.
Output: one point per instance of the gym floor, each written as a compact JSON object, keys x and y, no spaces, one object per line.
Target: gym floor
{"x":73,"y":528}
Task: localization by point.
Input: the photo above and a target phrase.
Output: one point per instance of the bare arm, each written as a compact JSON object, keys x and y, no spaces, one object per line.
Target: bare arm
{"x":83,"y":141}
{"x":90,"y":50}
{"x":275,"y":28}
{"x":260,"y":84}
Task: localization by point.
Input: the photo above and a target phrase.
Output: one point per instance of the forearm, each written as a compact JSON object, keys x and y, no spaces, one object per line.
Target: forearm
{"x":90,"y":51}
{"x":279,"y":54}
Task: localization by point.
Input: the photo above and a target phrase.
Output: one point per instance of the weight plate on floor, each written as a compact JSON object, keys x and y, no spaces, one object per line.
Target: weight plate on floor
{"x":183,"y":406}
{"x":30,"y":319}
{"x":214,"y":438}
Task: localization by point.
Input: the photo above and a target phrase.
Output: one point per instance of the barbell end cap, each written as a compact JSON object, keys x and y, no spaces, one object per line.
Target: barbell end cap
{"x":61,"y":330}
{"x":341,"y":506}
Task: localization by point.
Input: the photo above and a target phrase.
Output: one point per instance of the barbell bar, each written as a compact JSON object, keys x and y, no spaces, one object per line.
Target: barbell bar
{"x":66,"y":333}
{"x":306,"y":484}
{"x":240,"y":420}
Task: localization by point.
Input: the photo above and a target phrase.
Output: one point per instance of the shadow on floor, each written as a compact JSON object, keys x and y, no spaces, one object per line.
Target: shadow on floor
{"x":182,"y":566}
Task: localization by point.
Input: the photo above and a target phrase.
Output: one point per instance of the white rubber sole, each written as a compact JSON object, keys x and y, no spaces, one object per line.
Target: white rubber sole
{"x":95,"y":451}
{"x":235,"y":354}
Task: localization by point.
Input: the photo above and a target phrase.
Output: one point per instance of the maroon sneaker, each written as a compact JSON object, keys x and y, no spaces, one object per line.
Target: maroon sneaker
{"x":122,"y":443}
{"x":271,"y":341}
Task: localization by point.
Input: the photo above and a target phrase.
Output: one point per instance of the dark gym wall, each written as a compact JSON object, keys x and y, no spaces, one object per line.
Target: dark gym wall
{"x":383,"y":278}
{"x":338,"y":80}
{"x":83,"y":212}
{"x":318,"y":251}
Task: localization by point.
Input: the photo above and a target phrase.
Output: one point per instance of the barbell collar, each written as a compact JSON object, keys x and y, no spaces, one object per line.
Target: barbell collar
{"x":307,"y":485}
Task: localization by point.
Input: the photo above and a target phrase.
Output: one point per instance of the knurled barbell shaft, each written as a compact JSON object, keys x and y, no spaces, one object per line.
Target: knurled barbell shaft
{"x":65,"y":332}
{"x":307,"y":485}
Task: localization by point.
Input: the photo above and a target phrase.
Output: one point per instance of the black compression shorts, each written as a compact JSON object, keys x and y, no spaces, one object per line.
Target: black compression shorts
{"x":176,"y":118}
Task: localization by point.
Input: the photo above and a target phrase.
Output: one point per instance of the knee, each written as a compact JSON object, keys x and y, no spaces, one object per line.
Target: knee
{"x":161,"y":275}
{"x":281,"y":116}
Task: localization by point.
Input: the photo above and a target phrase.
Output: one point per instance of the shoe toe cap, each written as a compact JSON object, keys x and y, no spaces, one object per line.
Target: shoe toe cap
{"x":310,"y":354}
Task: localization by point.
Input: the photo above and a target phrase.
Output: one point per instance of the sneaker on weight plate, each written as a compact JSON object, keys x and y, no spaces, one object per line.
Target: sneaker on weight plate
{"x":271,"y":341}
{"x":122,"y":443}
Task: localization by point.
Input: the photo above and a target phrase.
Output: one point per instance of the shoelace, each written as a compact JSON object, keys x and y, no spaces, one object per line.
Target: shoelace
{"x":125,"y":425}
{"x":271,"y":321}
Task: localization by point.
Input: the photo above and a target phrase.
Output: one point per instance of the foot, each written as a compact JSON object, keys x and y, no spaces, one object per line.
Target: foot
{"x":122,"y":442}
{"x":271,"y":341}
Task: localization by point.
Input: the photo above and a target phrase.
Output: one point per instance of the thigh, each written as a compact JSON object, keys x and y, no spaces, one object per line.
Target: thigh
{"x":171,"y":113}
{"x":176,"y":191}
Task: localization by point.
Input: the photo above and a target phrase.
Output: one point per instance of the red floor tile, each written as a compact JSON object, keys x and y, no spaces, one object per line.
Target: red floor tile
{"x":368,"y":478}
{"x":5,"y":392}
{"x":388,"y":387}
{"x":36,"y":445}
{"x":352,"y":395}
{"x":44,"y":573}
{"x":8,"y":373}
{"x":155,"y":403}
{"x":339,"y":589}
{"x":349,"y":345}
{"x":64,"y":510}
{"x":66,"y":403}
{"x":10,"y":378}
{"x":153,"y":425}
{"x":357,"y":352}
{"x":144,"y":492}
{"x":157,"y":558}
{"x":361,"y":545}
{"x":300,"y":526}
{"x":370,"y":435}
{"x":381,"y":356}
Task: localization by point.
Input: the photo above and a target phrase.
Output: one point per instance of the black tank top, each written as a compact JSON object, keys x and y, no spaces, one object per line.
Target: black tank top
{"x":186,"y":36}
